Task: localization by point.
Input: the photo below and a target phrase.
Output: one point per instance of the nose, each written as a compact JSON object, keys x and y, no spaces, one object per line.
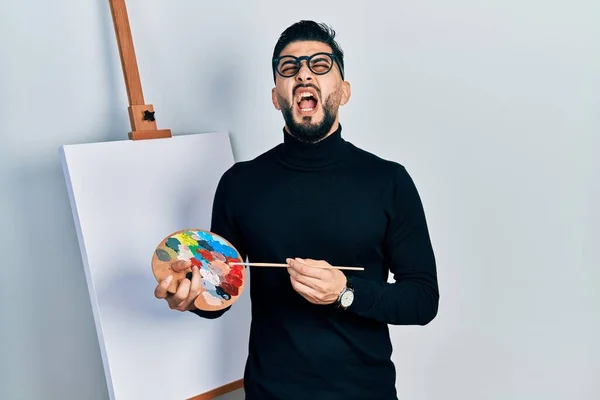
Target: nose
{"x":304,"y":74}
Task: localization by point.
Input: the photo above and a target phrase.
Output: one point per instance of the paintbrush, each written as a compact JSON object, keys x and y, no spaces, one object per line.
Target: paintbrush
{"x":286,"y":265}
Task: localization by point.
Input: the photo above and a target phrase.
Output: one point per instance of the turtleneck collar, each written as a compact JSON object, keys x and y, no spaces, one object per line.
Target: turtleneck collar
{"x":300,"y":155}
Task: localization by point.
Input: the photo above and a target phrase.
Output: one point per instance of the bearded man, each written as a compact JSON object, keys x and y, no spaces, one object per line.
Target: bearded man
{"x":313,"y":201}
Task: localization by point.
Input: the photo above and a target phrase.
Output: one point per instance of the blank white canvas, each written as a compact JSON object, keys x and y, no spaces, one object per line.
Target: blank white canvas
{"x":126,"y":196}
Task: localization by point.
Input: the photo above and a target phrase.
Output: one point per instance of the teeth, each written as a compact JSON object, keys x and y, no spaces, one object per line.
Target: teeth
{"x":304,"y":95}
{"x":306,"y":109}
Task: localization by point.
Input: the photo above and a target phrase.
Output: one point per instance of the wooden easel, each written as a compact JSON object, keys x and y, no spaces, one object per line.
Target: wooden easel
{"x":143,"y":122}
{"x":230,"y":387}
{"x":141,"y":115}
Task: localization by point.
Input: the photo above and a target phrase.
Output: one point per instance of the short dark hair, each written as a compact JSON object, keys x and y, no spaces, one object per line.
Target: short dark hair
{"x":309,"y":31}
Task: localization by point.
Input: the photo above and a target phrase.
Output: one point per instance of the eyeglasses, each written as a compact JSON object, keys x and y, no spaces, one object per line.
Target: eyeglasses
{"x":319,"y":64}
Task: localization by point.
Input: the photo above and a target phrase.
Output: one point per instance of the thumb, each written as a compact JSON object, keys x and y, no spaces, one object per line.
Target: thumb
{"x":181,"y":265}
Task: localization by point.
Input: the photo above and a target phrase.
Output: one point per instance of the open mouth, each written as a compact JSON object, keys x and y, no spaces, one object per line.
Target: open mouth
{"x":307,"y":101}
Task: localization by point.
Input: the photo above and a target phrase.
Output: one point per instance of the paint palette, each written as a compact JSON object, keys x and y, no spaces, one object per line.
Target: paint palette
{"x":222,"y":284}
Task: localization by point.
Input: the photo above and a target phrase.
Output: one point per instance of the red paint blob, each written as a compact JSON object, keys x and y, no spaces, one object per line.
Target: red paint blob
{"x":234,"y":280}
{"x":229,"y":288}
{"x":196,"y":262}
{"x":206,"y":255}
{"x":236,"y":273}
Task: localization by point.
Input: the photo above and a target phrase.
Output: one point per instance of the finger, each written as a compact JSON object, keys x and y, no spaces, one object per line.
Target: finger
{"x":321,"y":263}
{"x":161,"y":289}
{"x":302,"y":288}
{"x":313,"y":283}
{"x":181,"y":265}
{"x":180,"y":297}
{"x":305,"y":269}
{"x":195,"y":285}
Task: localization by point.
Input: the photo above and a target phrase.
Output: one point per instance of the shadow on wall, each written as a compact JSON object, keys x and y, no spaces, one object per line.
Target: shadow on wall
{"x":60,"y":328}
{"x":131,"y":292}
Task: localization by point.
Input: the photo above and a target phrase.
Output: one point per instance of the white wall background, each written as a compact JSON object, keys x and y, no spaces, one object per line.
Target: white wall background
{"x":494,"y":108}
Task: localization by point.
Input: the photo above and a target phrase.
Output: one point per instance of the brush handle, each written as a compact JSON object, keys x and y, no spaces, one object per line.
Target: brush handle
{"x":286,"y":265}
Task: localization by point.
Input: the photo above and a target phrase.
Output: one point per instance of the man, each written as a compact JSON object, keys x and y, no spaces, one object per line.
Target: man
{"x":317,"y":200}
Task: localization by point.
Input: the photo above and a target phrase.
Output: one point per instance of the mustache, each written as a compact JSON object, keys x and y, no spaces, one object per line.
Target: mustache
{"x":306,"y":85}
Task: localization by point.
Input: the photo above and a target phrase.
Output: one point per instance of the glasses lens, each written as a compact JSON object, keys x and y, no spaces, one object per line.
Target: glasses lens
{"x":321,"y":63}
{"x":287,"y":66}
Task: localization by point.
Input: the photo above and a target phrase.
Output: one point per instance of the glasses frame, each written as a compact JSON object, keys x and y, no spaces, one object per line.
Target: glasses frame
{"x":307,"y":59}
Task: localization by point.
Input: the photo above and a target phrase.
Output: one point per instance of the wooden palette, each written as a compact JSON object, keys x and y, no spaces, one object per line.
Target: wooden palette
{"x":222,"y":284}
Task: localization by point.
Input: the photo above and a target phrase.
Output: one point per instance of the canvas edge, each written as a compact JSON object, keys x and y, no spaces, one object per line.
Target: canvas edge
{"x":176,"y":137}
{"x":91,"y":288}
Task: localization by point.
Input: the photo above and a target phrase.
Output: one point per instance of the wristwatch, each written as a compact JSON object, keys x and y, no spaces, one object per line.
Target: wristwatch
{"x":346,"y":298}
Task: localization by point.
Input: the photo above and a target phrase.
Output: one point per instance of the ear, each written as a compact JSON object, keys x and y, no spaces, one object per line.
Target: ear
{"x":346,"y":92}
{"x":274,"y":99}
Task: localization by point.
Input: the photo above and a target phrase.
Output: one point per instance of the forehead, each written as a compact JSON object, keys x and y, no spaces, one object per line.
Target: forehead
{"x":305,"y":48}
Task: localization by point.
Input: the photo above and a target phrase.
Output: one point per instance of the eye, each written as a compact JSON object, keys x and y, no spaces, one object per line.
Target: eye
{"x":287,"y":66}
{"x":321,"y":63}
{"x":322,"y":66}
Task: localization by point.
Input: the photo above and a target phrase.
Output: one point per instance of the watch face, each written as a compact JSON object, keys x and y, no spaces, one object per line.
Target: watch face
{"x":347,"y":298}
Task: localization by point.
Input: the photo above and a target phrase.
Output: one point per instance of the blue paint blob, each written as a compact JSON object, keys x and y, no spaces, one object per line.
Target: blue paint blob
{"x":220,"y":240}
{"x":205,"y":245}
{"x":226,"y":250}
{"x":206,"y":236}
{"x":173,"y":243}
{"x":209,"y":287}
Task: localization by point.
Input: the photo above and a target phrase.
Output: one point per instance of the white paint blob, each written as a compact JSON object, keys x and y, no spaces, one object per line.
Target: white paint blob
{"x":210,"y":299}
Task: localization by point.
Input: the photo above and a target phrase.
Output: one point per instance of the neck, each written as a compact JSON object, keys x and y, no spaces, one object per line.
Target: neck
{"x":325,"y":153}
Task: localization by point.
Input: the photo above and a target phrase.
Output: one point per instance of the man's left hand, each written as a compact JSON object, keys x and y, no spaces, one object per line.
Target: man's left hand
{"x":313,"y":282}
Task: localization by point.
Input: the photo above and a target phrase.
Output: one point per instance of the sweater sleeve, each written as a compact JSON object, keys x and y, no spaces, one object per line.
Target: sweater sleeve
{"x":412,"y":299}
{"x":223,"y":224}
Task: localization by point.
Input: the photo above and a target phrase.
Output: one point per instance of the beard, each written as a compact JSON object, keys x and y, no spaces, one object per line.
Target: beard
{"x":308,"y":131}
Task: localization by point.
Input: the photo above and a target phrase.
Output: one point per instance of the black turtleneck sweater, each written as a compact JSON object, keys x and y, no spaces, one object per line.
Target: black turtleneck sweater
{"x":335,"y":202}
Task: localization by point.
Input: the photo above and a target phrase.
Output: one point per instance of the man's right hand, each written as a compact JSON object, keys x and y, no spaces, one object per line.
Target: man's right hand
{"x":187,"y":291}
